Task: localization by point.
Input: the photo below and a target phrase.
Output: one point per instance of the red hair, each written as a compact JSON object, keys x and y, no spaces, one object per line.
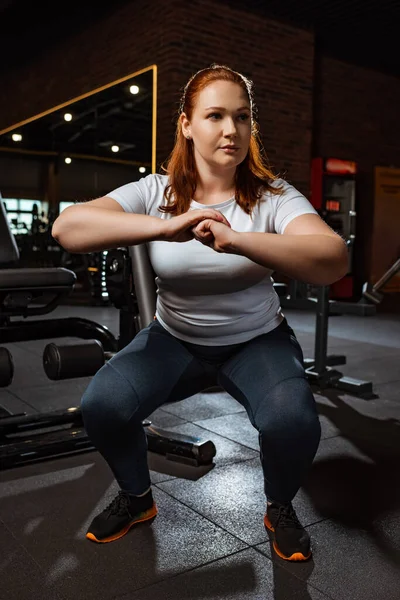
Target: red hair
{"x":253,"y":174}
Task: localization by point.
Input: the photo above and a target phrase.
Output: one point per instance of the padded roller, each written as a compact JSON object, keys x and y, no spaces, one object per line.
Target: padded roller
{"x":6,"y":367}
{"x":75,"y":360}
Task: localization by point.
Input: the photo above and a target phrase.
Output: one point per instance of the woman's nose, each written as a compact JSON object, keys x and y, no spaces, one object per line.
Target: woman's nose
{"x":230,"y":128}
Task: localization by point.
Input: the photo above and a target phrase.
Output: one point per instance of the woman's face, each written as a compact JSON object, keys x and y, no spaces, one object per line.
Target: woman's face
{"x":220,"y":126}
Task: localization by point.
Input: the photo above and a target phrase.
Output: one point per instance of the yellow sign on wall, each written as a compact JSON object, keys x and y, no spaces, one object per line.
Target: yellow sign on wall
{"x":387,"y":183}
{"x":385,"y":245}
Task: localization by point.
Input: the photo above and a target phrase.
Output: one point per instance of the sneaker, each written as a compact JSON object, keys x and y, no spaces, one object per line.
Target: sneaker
{"x":290,"y":540}
{"x":120,"y":515}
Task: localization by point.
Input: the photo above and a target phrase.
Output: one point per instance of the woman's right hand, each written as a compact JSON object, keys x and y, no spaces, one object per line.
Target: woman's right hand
{"x":179,"y":229}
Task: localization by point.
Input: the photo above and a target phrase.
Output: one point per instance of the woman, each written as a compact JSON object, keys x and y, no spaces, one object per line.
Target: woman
{"x":210,"y":224}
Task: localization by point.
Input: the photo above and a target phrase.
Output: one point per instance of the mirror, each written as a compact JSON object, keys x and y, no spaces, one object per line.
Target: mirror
{"x":81,"y":149}
{"x":74,"y":152}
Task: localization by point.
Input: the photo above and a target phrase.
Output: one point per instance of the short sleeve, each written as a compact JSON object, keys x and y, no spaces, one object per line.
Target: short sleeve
{"x":133,"y":197}
{"x":289,"y":205}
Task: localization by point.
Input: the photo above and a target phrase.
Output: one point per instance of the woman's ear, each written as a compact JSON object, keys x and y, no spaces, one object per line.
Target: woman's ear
{"x":185,"y":126}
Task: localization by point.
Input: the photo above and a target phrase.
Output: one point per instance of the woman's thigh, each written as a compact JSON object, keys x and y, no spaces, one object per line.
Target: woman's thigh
{"x":158,"y":369}
{"x":254,"y":374}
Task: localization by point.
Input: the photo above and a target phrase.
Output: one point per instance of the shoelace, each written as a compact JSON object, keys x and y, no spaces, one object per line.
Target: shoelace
{"x":119,"y":505}
{"x":287,"y":517}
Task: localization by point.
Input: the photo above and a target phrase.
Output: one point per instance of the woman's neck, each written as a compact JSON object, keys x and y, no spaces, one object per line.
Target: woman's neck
{"x":214,"y":187}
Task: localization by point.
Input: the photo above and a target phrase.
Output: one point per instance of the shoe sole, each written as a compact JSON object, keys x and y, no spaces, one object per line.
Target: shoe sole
{"x":148,"y":515}
{"x":296,"y":557}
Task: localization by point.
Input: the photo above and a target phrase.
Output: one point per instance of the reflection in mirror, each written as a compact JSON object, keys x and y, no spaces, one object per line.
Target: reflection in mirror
{"x":74,"y":152}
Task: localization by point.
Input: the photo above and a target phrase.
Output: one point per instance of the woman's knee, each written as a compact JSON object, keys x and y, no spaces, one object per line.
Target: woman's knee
{"x":290,"y":411}
{"x":109,"y":398}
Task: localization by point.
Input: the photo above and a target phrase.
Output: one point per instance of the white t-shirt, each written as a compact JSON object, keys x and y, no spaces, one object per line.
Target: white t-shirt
{"x":210,"y":298}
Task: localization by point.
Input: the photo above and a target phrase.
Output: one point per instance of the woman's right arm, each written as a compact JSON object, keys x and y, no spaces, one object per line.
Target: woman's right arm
{"x":102,"y":224}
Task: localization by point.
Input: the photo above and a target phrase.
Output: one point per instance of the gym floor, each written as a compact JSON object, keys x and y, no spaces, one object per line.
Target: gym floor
{"x":208,"y":541}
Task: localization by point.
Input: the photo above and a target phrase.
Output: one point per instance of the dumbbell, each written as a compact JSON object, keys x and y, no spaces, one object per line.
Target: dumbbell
{"x":74,"y":360}
{"x":6,"y":367}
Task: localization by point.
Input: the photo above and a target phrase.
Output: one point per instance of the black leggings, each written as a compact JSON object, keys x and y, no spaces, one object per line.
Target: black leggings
{"x":265,"y":375}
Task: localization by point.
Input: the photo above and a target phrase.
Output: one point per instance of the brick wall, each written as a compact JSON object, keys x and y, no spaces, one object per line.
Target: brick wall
{"x":181,"y":38}
{"x":356,"y":117}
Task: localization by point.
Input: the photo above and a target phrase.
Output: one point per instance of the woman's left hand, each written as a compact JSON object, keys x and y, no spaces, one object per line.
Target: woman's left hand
{"x":216,"y":235}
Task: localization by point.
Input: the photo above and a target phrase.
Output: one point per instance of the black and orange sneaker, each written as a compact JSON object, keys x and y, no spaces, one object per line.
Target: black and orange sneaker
{"x":120,"y":515}
{"x":290,"y":540}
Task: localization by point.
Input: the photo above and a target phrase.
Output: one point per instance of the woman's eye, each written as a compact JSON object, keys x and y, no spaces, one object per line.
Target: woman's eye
{"x":242,"y":117}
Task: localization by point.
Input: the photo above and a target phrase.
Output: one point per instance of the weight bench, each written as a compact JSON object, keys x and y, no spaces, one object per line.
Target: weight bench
{"x":29,"y":292}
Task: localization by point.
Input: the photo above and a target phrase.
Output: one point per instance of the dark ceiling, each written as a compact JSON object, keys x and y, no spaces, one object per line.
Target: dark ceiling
{"x":365,"y":32}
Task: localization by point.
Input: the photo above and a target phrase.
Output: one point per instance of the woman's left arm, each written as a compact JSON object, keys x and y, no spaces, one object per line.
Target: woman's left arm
{"x":308,"y":250}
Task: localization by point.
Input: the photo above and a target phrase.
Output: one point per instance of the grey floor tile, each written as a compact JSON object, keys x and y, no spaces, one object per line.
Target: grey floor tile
{"x":235,"y":427}
{"x":373,"y":423}
{"x":356,"y":350}
{"x":389,"y":392}
{"x":35,"y":491}
{"x":205,"y":405}
{"x":53,"y":395}
{"x":21,"y":577}
{"x":77,"y":482}
{"x":351,"y":562}
{"x":178,"y":540}
{"x":246,"y":575}
{"x":380,"y":369}
{"x":328,"y":426}
{"x":349,"y":348}
{"x":353,"y":482}
{"x":328,"y":429}
{"x":233,"y":497}
{"x":381,"y":329}
{"x":165,"y":419}
{"x":14,"y":404}
{"x":367,"y":362}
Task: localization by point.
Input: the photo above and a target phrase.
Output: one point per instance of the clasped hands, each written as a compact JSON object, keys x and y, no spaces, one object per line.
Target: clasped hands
{"x":217,"y":234}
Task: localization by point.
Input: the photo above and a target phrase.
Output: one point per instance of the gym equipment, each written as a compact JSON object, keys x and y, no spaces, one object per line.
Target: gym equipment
{"x":333,"y":195}
{"x":26,"y":439}
{"x":304,"y":296}
{"x":6,"y":367}
{"x":29,"y":438}
{"x":30,"y":292}
{"x":319,"y":369}
{"x":74,"y":360}
{"x":371,"y":292}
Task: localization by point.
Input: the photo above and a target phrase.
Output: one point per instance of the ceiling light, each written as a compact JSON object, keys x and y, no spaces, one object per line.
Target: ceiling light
{"x":134,"y":89}
{"x":142,"y":169}
{"x":68,"y":117}
{"x":67,"y":160}
{"x":115,"y":148}
{"x":17,"y":137}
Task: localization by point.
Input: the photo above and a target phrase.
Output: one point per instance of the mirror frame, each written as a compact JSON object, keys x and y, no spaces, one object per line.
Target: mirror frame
{"x":87,"y":95}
